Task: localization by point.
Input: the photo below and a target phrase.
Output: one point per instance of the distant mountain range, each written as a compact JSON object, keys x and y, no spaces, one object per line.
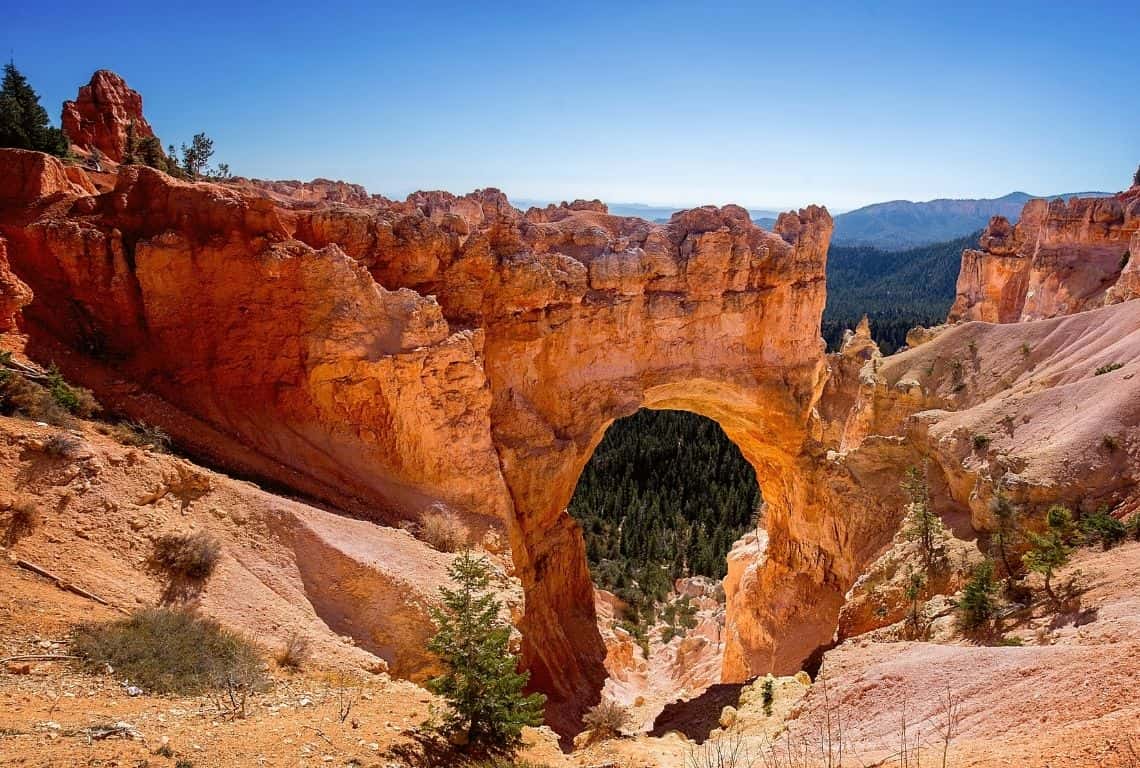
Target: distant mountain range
{"x":901,"y":224}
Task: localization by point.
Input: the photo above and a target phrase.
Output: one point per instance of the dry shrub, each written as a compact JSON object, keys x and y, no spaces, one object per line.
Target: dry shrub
{"x":607,"y":719}
{"x":294,"y":653}
{"x":139,"y":434}
{"x":186,"y":561}
{"x":63,"y":446}
{"x":44,"y":397}
{"x":171,"y":651}
{"x":23,"y":518}
{"x":20,"y":397}
{"x":189,"y":555}
{"x":724,"y":751}
{"x":443,"y":530}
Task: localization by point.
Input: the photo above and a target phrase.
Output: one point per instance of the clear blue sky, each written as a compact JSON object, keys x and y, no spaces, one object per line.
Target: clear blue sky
{"x":768,"y":105}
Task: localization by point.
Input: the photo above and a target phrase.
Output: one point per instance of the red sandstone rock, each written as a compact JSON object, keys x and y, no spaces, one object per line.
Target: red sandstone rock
{"x":102,"y":114}
{"x":14,"y":293}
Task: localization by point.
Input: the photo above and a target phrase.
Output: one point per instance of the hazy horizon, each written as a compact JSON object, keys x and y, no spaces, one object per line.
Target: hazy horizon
{"x":673,"y":105}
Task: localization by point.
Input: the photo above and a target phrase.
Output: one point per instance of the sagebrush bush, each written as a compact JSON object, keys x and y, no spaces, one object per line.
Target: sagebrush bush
{"x":76,"y":400}
{"x":186,"y":562}
{"x":294,"y":653}
{"x":20,"y":397}
{"x":443,"y":530}
{"x":49,"y":398}
{"x":191,"y":556}
{"x":23,"y":518}
{"x":140,"y":435}
{"x":1108,"y":369}
{"x":606,"y":719}
{"x":169,"y":651}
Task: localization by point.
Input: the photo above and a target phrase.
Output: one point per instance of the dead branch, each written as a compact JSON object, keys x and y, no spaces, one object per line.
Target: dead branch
{"x":39,"y":657}
{"x":62,"y":583}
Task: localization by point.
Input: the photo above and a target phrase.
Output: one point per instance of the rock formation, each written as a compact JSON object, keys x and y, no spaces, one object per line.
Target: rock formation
{"x":1061,"y":257}
{"x":103,"y":114}
{"x":449,"y":350}
{"x":393,"y":357}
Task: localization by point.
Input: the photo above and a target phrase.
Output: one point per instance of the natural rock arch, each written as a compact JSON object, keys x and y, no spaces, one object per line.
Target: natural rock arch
{"x":722,"y":319}
{"x":388,"y":357}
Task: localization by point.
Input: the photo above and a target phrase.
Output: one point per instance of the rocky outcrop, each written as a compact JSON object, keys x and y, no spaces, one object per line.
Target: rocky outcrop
{"x":103,"y":114}
{"x":390,"y":357}
{"x":1061,"y":257}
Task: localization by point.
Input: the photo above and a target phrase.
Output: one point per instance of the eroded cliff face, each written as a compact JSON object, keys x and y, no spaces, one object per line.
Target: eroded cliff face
{"x":391,"y":357}
{"x":1061,"y":257}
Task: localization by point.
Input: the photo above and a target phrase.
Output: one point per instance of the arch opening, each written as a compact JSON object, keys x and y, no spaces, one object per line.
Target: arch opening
{"x":663,"y":500}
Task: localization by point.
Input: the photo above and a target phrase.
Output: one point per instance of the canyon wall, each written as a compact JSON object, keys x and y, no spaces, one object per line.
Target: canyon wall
{"x":1061,"y":257}
{"x":393,"y":357}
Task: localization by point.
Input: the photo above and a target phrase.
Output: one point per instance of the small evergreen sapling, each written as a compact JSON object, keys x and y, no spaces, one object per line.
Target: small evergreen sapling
{"x":1102,"y":528}
{"x":481,"y":680}
{"x":977,"y":605}
{"x":1050,"y":551}
{"x":1007,"y":537}
{"x":923,"y":523}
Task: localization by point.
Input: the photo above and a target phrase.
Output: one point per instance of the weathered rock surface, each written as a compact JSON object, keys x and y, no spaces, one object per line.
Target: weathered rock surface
{"x":14,"y":293}
{"x":1061,"y":257}
{"x":103,"y":114}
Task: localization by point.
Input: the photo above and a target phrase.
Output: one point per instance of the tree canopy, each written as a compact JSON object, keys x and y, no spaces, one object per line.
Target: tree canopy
{"x":665,"y":495}
{"x":23,"y":121}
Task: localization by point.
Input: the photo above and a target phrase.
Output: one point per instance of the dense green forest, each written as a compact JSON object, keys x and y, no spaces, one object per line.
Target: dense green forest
{"x":665,"y":495}
{"x":897,"y":290}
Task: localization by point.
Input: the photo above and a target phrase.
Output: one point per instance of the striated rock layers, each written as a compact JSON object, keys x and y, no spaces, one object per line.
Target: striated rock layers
{"x":393,"y":356}
{"x":102,"y":115}
{"x":1061,"y":257}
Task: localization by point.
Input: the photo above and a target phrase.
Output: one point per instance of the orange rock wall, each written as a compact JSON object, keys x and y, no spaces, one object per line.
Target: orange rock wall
{"x":1061,"y":257}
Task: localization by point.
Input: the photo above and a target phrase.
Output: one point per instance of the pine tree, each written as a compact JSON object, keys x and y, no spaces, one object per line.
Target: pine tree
{"x":977,"y":604}
{"x":197,"y":155}
{"x":23,"y":121}
{"x":1136,"y":177}
{"x":1007,"y":536}
{"x":923,"y":523}
{"x":1050,"y":550}
{"x":481,"y":681}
